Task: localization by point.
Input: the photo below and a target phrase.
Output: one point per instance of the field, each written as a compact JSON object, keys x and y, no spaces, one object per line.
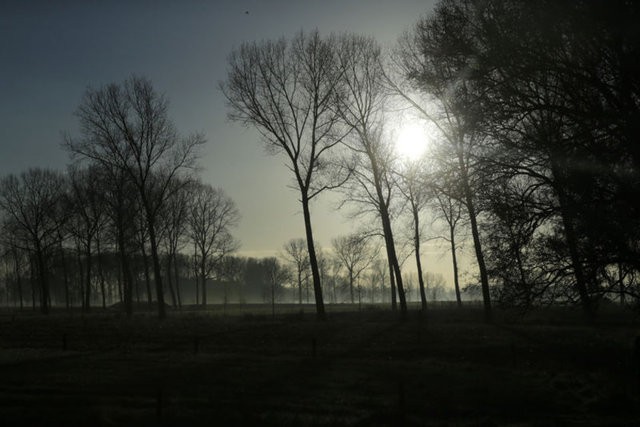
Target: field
{"x":241,"y":366}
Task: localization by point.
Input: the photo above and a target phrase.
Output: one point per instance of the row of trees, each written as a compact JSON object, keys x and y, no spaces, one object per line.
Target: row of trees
{"x":130,"y":191}
{"x":536,"y":108}
{"x":129,"y":221}
{"x":352,"y":271}
{"x":126,"y":212}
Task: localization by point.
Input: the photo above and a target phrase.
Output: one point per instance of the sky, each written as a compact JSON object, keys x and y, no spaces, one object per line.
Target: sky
{"x":52,"y":51}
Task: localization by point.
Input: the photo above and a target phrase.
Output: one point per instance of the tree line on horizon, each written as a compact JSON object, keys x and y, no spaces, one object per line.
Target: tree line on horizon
{"x":535,"y":154}
{"x":129,"y":222}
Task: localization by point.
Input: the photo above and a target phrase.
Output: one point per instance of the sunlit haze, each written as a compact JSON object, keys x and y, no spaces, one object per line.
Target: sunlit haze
{"x":412,"y":141}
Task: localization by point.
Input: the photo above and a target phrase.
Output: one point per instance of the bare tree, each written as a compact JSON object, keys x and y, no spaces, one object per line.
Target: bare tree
{"x":414,"y":189}
{"x":356,"y":254}
{"x":362,"y":108}
{"x":175,"y":220}
{"x":449,"y":104}
{"x":86,"y":218}
{"x":126,"y":127}
{"x":212,"y":215}
{"x":451,"y":211}
{"x":286,"y":89}
{"x":277,"y":276}
{"x":32,"y":204}
{"x":121,"y":209}
{"x":296,"y":253}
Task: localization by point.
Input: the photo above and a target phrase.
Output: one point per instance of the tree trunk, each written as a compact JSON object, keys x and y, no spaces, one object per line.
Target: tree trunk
{"x":32,"y":280}
{"x":147,"y":274}
{"x":203,"y":276}
{"x":353,"y":300}
{"x":119,"y":285}
{"x":571,"y":239}
{"x":388,"y":233}
{"x":391,"y":250}
{"x":87,"y":292}
{"x":80,"y":276}
{"x":16,"y":261}
{"x":177,"y":278}
{"x":454,"y":259}
{"x":127,"y":279}
{"x":157,"y":270}
{"x":44,"y":280}
{"x":572,"y":244}
{"x":416,"y":241}
{"x":392,"y":283}
{"x":101,"y":273}
{"x":484,"y":278}
{"x":169,"y":282}
{"x":313,"y":260}
{"x":65,"y":275}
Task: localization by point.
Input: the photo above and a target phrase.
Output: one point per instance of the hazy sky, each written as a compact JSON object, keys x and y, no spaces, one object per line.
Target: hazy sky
{"x":51,"y":51}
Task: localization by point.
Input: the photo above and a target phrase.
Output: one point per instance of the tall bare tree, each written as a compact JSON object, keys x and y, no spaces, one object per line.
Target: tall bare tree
{"x":412,"y":185}
{"x":362,"y":108}
{"x":286,"y":89}
{"x":450,"y":209}
{"x":445,"y":100}
{"x":121,"y":208}
{"x":175,"y":217}
{"x":126,"y":127}
{"x":86,"y":218}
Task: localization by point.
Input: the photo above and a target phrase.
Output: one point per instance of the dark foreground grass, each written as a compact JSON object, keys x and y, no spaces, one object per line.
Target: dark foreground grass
{"x":356,"y":369}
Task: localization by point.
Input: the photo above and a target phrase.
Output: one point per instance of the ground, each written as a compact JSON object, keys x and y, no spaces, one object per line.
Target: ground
{"x":241,"y":366}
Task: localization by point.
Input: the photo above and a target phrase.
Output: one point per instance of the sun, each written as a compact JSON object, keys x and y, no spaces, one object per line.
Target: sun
{"x":412,"y":141}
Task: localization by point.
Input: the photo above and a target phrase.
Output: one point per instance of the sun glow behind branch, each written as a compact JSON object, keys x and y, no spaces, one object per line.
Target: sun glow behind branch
{"x":412,"y":140}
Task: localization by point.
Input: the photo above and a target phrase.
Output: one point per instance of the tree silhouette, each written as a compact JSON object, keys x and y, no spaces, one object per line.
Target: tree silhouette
{"x":412,"y":185}
{"x":211,"y":216}
{"x":32,"y":203}
{"x":126,"y":127}
{"x":435,"y":61}
{"x":356,"y":254}
{"x":296,"y":253}
{"x":362,"y":108}
{"x":86,"y":217}
{"x":286,"y":89}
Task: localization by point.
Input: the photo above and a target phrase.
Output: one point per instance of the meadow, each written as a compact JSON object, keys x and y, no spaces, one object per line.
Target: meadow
{"x":240,"y":365}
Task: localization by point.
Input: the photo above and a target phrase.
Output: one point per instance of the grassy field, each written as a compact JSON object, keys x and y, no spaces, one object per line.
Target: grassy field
{"x":240,"y":366}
